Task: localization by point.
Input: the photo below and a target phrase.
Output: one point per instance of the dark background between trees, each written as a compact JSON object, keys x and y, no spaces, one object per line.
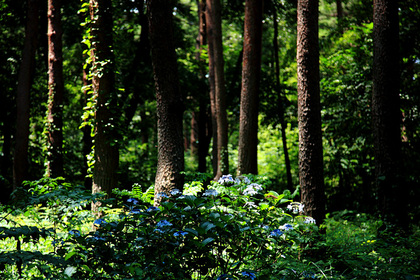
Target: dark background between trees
{"x":112,"y":70}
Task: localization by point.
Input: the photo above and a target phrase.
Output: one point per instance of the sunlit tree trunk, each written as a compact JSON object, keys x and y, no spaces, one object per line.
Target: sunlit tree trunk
{"x":56,"y":92}
{"x":106,"y":154}
{"x":386,"y":115}
{"x":251,"y":69}
{"x":20,"y":161}
{"x":87,"y":131}
{"x":309,"y":111}
{"x":218,"y":92}
{"x":170,"y":106}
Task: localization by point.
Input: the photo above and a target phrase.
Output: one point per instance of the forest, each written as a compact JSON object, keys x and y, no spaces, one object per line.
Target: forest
{"x":209,"y":139}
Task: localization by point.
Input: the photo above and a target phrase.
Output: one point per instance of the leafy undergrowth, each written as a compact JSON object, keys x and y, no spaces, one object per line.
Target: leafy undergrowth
{"x":231,"y":229}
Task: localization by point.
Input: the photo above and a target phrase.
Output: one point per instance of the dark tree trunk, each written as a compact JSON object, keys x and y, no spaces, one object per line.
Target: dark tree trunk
{"x":309,"y":111}
{"x":20,"y":161}
{"x":217,"y":86}
{"x":386,"y":115}
{"x":339,"y":6}
{"x":251,"y":69}
{"x":202,"y":128}
{"x":106,"y":152}
{"x":281,"y":103}
{"x":56,"y":91}
{"x":340,"y":15}
{"x":170,"y":105}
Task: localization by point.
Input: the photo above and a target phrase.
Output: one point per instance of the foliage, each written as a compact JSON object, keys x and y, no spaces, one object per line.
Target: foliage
{"x":232,"y":229}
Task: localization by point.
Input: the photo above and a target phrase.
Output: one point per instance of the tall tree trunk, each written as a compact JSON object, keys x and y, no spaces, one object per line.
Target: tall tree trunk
{"x":217,"y":86}
{"x":251,"y":69}
{"x":386,"y":115}
{"x":309,"y":111}
{"x":20,"y":161}
{"x":202,"y":128}
{"x":106,"y":152}
{"x":340,"y":15}
{"x":170,"y":105}
{"x":56,"y":91}
{"x":281,"y":103}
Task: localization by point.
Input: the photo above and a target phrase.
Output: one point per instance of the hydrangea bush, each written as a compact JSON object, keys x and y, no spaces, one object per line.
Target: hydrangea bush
{"x":235,"y":229}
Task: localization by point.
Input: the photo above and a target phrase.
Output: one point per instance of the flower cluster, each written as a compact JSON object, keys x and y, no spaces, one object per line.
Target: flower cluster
{"x":226,"y":179}
{"x":296,"y":207}
{"x":252,"y":189}
{"x":276,"y":233}
{"x":309,"y":220}
{"x":210,"y":192}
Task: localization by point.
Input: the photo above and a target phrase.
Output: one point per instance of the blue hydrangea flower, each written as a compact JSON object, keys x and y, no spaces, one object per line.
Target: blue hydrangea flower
{"x":175,"y":192}
{"x":163,"y":223}
{"x":263,"y":226}
{"x":180,"y":233}
{"x":252,"y":189}
{"x":132,"y":201}
{"x":286,"y":227}
{"x":251,"y":275}
{"x":99,"y":238}
{"x":135,"y":211}
{"x":152,"y":208}
{"x":74,"y":232}
{"x":276,"y":233}
{"x":158,"y":230}
{"x":210,"y":192}
{"x":226,"y":179}
{"x":99,"y":222}
{"x":162,"y":195}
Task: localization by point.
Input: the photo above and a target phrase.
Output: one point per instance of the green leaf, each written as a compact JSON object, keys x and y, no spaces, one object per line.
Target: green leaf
{"x":207,"y":241}
{"x":69,"y":255}
{"x":207,"y":226}
{"x":190,"y":230}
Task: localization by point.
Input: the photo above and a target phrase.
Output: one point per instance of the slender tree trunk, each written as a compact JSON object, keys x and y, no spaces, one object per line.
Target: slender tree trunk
{"x":340,"y":15}
{"x":217,"y":86}
{"x":339,"y":6}
{"x":20,"y":161}
{"x":87,"y":137}
{"x":106,"y":152}
{"x":281,"y":103}
{"x":170,"y":105}
{"x":251,"y":69}
{"x":386,"y":115}
{"x":202,"y":128}
{"x":56,"y":91}
{"x":309,"y":111}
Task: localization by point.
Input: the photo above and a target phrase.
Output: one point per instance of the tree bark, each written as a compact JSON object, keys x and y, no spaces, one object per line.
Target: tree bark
{"x":20,"y":161}
{"x":309,"y":111}
{"x":56,"y":91}
{"x":200,"y":127}
{"x":170,"y":105}
{"x":106,"y":152}
{"x":251,"y":69}
{"x":217,"y":86}
{"x":386,"y":115}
